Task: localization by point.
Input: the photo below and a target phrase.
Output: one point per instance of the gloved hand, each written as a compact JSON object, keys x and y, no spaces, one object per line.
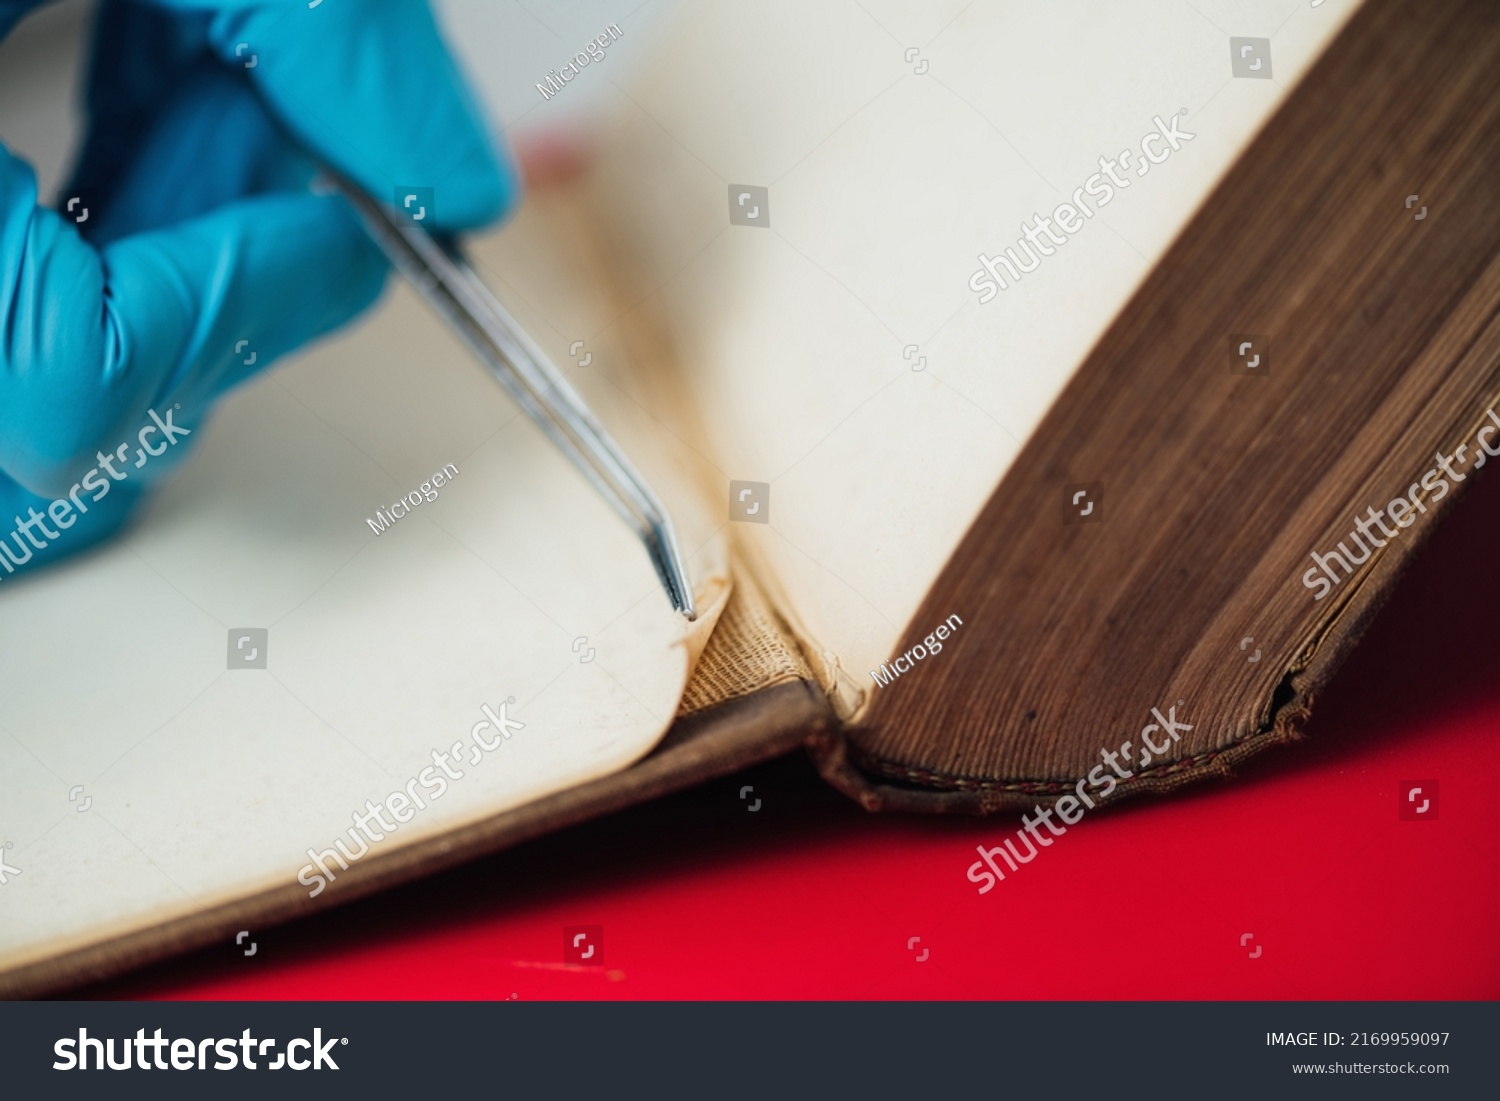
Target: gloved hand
{"x":204,"y":256}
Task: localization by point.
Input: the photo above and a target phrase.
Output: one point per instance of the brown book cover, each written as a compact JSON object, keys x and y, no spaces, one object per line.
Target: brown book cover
{"x":1198,"y":587}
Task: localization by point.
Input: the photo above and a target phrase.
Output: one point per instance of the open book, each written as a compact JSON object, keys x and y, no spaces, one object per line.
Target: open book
{"x":968,"y":499}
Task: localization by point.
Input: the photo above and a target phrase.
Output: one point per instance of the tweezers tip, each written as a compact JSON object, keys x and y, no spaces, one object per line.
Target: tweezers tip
{"x":661,"y":543}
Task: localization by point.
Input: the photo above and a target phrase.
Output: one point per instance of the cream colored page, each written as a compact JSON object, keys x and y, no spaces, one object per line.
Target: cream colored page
{"x":839,"y":351}
{"x":145,"y":772}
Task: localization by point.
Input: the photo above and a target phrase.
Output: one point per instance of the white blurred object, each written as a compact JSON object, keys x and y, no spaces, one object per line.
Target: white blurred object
{"x":41,"y":83}
{"x":507,"y":50}
{"x":504,"y":48}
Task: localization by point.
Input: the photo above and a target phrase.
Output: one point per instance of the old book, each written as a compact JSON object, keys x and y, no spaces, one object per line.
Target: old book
{"x":982,"y":534}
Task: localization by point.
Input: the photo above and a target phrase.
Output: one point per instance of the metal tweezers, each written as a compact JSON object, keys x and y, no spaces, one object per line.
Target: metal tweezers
{"x":438,"y":269}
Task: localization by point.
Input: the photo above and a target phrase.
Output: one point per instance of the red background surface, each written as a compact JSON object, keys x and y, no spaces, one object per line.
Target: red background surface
{"x":810,"y":897}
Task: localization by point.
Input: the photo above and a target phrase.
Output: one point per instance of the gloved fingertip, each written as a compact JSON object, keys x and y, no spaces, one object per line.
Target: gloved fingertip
{"x":478,"y":193}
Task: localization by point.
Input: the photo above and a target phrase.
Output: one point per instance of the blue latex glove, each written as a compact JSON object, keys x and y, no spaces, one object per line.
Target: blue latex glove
{"x":203,"y":248}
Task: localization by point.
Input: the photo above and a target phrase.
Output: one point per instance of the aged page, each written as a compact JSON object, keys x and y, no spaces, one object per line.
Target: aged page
{"x":212,"y":705}
{"x":834,"y":193}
